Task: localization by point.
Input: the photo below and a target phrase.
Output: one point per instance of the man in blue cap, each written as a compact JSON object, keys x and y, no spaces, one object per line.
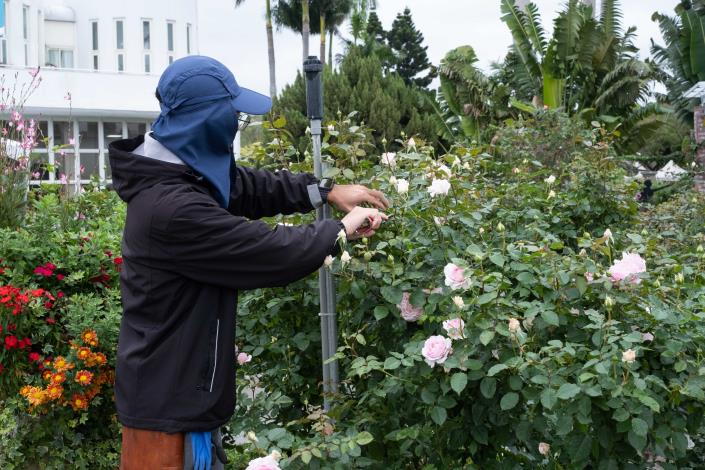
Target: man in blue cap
{"x":191,"y":241}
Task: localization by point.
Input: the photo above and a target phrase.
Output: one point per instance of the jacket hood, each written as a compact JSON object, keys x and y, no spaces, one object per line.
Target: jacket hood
{"x":132,"y":173}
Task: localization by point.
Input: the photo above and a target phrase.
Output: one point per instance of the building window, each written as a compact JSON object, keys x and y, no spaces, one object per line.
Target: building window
{"x":94,"y":35}
{"x":120,"y":44}
{"x":61,"y":58}
{"x":25,"y":32}
{"x":145,"y":35}
{"x":147,"y":64}
{"x":119,"y":35}
{"x":170,"y":36}
{"x":188,"y":38}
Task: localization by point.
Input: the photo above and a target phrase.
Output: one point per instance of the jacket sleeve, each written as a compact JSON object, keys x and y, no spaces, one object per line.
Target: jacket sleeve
{"x":205,"y":243}
{"x":260,"y":193}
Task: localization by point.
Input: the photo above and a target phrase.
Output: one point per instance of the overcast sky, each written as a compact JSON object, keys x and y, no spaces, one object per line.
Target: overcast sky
{"x":237,"y":36}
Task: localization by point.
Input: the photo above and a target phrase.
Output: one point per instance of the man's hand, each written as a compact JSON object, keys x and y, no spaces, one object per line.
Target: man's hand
{"x":362,"y":222}
{"x":346,"y":196}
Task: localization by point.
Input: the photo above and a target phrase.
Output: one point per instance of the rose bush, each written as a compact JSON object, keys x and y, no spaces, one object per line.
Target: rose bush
{"x":558,"y":364}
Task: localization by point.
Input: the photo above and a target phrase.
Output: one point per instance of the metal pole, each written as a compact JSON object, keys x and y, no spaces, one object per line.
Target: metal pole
{"x":329,"y":332}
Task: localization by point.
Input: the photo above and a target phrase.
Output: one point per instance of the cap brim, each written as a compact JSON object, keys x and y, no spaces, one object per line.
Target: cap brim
{"x":251,"y":102}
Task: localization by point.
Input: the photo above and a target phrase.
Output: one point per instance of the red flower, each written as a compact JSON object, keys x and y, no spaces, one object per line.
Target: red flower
{"x":118,"y":260}
{"x":60,"y":277}
{"x":37,"y":292}
{"x":24,"y":343}
{"x":35,"y":357}
{"x":11,"y":327}
{"x":2,"y":270}
{"x":51,"y":321}
{"x":10,"y":342}
{"x":48,"y":304}
{"x":109,"y":254}
{"x":60,"y":294}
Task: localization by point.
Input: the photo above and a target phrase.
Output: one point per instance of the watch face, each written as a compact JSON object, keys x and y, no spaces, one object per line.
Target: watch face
{"x":326,"y":183}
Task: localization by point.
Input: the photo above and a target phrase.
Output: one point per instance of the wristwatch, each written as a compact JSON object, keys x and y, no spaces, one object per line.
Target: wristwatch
{"x":324,"y":187}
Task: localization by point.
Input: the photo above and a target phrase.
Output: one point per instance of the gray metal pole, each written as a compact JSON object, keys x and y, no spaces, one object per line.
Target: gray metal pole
{"x":329,"y":334}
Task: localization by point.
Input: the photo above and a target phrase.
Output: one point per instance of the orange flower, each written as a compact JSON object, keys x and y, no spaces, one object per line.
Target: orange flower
{"x":46,"y":375}
{"x":100,"y":358}
{"x":61,"y":364}
{"x":79,"y":402}
{"x":54,"y":391}
{"x":58,"y":377}
{"x":84,"y":377}
{"x":90,"y":337}
{"x":36,"y":396}
{"x":83,"y":353}
{"x":24,"y":391}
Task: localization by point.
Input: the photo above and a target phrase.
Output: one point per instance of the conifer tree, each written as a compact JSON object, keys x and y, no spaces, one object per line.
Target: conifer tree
{"x":410,"y":55}
{"x":375,"y":31}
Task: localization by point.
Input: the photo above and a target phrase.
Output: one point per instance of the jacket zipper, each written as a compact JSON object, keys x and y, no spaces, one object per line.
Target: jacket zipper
{"x":215,"y":356}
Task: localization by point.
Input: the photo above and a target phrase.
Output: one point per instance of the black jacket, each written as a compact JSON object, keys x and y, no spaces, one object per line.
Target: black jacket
{"x":185,"y":258}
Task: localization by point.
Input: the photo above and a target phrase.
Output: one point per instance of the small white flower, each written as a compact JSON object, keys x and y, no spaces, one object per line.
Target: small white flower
{"x":608,"y":236}
{"x":647,"y":337}
{"x":328,"y":261}
{"x":445,"y":170}
{"x":514,"y":325}
{"x":388,"y":159}
{"x":331,"y":127}
{"x":308,"y":130}
{"x":550,"y":180}
{"x":345,"y":258}
{"x":439,"y":220}
{"x":402,"y":186}
{"x":629,"y":356}
{"x":393,"y":180}
{"x":544,"y":449}
{"x":439,"y":188}
{"x":516,"y":170}
{"x":525,"y":161}
{"x":252,"y":437}
{"x":609,"y":302}
{"x":583,"y":252}
{"x":466,"y":166}
{"x":458,"y":301}
{"x":276,"y":455}
{"x":481,"y":230}
{"x":342,"y":237}
{"x":679,"y":278}
{"x":500,"y":227}
{"x":411,"y":143}
{"x":551,"y":194}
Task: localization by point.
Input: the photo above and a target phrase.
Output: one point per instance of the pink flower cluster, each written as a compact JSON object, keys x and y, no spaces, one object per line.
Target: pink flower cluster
{"x":455,"y":277}
{"x":407,"y":310}
{"x":436,"y":350}
{"x":263,"y":463}
{"x":628,"y":268}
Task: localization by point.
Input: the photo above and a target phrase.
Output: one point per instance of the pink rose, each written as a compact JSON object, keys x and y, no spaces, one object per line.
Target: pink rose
{"x":243,"y":358}
{"x":544,"y":448}
{"x":455,"y":277}
{"x":628,"y":268}
{"x":263,"y":463}
{"x":454,"y":327}
{"x":647,"y":337}
{"x":589,"y":277}
{"x":408,"y":311}
{"x":436,"y":350}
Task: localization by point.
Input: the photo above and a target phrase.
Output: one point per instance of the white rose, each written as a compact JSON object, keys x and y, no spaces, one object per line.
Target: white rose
{"x":550,"y":180}
{"x":402,"y":186}
{"x":345,"y":258}
{"x":328,"y":261}
{"x":458,"y":301}
{"x":439,"y":188}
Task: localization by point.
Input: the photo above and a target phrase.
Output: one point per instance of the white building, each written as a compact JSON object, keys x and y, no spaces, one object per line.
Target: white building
{"x":107,"y":56}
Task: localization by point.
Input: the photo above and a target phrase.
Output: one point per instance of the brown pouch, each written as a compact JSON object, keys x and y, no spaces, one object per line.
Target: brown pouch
{"x":143,"y":449}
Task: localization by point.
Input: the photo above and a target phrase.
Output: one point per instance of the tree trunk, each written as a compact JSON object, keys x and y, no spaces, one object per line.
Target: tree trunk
{"x":330,"y":49}
{"x":323,"y":39}
{"x":270,"y":51}
{"x":305,"y":26}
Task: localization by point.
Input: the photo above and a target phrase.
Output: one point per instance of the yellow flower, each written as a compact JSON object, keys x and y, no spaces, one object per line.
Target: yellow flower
{"x":58,"y":378}
{"x":83,"y":377}
{"x":90,"y":337}
{"x":83,"y":353}
{"x":61,"y":364}
{"x":37,"y":396}
{"x":54,"y":391}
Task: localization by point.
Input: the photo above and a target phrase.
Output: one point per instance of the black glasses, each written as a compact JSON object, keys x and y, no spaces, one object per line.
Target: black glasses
{"x":243,"y":120}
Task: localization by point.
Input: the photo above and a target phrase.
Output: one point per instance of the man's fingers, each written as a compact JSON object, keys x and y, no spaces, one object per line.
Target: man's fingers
{"x":380,"y":197}
{"x":373,"y":200}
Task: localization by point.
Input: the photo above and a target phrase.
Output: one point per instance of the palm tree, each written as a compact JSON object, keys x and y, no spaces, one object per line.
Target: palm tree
{"x":682,"y":58}
{"x":331,"y":14}
{"x":270,"y":46}
{"x":588,"y":63}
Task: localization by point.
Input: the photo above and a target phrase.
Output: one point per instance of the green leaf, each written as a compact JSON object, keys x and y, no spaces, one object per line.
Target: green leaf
{"x":638,"y":442}
{"x":486,"y":336}
{"x":550,"y":317}
{"x":548,"y":398}
{"x":458,"y":382}
{"x":640,"y":427}
{"x":496,"y":369}
{"x":381,"y":312}
{"x":392,"y":363}
{"x":568,"y":391}
{"x":306,"y":456}
{"x":509,"y":401}
{"x":488,"y":386}
{"x":391,"y":294}
{"x":276,"y":434}
{"x":364,"y":438}
{"x":583,"y":450}
{"x":650,"y":402}
{"x":620,"y":415}
{"x":439,"y":415}
{"x":497,"y":259}
{"x":486,"y":298}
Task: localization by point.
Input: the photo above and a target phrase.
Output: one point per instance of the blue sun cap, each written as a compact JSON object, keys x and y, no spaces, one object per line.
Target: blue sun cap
{"x":198,"y":79}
